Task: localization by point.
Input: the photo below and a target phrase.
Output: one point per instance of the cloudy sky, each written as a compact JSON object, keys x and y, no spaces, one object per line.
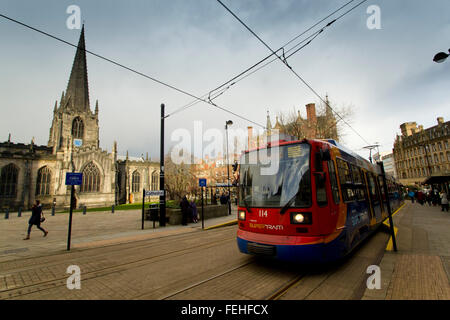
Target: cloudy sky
{"x":386,"y":74}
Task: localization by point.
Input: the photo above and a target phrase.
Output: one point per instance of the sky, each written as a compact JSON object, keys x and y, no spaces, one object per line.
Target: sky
{"x":387,"y":75}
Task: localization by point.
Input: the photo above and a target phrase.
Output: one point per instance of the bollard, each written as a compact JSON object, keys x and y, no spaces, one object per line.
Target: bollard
{"x":84,"y":210}
{"x":53,"y":210}
{"x":112,"y":209}
{"x":7,"y":214}
{"x":19,"y":214}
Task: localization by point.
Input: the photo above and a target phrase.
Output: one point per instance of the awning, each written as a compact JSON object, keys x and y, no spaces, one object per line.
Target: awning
{"x":436,"y":179}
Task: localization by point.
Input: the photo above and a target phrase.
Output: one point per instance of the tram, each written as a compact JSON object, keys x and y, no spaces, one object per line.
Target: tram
{"x":320,"y":203}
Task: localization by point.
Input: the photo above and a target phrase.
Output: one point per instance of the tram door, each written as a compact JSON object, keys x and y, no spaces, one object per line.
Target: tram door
{"x":384,"y":197}
{"x":374,"y":196}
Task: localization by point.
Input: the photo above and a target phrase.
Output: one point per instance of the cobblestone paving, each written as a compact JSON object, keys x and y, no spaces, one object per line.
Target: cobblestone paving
{"x":420,"y":268}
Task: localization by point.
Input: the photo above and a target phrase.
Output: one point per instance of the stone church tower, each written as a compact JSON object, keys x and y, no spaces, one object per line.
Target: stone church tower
{"x":74,"y":117}
{"x":30,"y":172}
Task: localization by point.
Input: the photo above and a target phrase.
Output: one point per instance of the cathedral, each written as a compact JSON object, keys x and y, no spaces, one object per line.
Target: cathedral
{"x":29,"y":172}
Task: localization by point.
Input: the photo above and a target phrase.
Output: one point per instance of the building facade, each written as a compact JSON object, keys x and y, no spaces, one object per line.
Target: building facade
{"x":388,"y":162}
{"x":30,"y":172}
{"x":420,"y":153}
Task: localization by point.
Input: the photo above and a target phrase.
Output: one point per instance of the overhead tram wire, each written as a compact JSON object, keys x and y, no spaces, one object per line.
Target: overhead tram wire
{"x":284,"y":61}
{"x":231,"y":83}
{"x":132,"y":70}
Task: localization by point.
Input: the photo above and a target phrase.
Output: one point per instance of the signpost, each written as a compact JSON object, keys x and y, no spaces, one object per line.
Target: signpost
{"x":72,"y":179}
{"x":202,"y":183}
{"x":149,"y":193}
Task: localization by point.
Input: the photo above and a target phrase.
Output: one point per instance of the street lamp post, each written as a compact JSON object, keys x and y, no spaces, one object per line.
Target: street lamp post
{"x":441,"y":57}
{"x":376,"y":145}
{"x":228,"y":123}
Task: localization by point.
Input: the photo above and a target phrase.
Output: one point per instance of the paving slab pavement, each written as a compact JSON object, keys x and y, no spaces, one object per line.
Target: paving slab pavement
{"x":91,"y":230}
{"x":420,"y":269}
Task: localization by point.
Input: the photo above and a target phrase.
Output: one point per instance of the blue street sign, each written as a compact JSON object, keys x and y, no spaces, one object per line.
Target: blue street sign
{"x":74,"y":179}
{"x":202,"y":182}
{"x":77,"y":142}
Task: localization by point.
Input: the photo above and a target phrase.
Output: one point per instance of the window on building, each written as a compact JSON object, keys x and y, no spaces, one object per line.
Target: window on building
{"x":8,"y":181}
{"x":91,"y":178}
{"x":439,"y":146}
{"x":136,"y":182}
{"x":43,"y":182}
{"x":155,"y":177}
{"x":77,"y":128}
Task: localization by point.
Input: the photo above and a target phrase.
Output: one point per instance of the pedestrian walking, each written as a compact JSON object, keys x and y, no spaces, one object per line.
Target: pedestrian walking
{"x":184,"y":204}
{"x":194,"y":212}
{"x":435,"y":196}
{"x":444,"y":201}
{"x":37,"y":216}
{"x":411,"y":194}
{"x":429,"y":198}
{"x":420,"y":197}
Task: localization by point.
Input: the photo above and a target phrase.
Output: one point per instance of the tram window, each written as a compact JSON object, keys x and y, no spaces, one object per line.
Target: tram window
{"x":358,"y":183}
{"x":334,"y":183}
{"x":356,"y":173}
{"x":321,"y":191}
{"x":345,"y":180}
{"x":380,"y":182}
{"x":372,"y":188}
{"x":343,"y":171}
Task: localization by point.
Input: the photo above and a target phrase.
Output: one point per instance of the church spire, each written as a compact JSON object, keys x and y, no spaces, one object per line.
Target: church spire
{"x":78,"y":89}
{"x":268,"y":123}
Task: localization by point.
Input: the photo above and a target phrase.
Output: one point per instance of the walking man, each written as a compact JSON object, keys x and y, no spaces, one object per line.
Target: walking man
{"x":444,"y":201}
{"x":35,"y":219}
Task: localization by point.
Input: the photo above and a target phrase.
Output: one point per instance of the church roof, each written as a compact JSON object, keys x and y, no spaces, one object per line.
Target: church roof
{"x":77,"y":93}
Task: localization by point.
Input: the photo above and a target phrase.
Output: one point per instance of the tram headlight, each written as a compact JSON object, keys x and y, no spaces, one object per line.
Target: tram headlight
{"x":241,"y":215}
{"x":301,"y":217}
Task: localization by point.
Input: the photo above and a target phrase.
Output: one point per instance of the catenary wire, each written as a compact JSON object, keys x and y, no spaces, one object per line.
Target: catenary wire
{"x":231,"y":83}
{"x":132,"y":70}
{"x":290,"y":67}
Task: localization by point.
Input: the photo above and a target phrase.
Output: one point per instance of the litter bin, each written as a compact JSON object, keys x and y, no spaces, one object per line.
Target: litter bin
{"x":153,"y":213}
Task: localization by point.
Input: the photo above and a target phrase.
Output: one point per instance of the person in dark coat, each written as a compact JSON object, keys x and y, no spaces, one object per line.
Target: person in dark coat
{"x":184,"y":204}
{"x":194,"y":212}
{"x":36,"y":213}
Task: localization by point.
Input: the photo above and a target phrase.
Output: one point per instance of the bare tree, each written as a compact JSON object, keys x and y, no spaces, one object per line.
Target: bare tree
{"x":325,"y":125}
{"x":180,"y":179}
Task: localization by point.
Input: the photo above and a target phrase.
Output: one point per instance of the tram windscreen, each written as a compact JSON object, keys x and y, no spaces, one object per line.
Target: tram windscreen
{"x":291,"y":183}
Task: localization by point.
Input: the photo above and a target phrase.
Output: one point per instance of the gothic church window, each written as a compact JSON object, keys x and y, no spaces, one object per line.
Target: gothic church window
{"x":8,"y":181}
{"x":136,"y":182}
{"x":91,"y":178}
{"x":155,"y":177}
{"x":43,"y":181}
{"x":77,"y":128}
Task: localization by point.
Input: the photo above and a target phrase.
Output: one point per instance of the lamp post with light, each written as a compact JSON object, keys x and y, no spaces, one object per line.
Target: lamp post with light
{"x":228,"y":123}
{"x":441,"y":57}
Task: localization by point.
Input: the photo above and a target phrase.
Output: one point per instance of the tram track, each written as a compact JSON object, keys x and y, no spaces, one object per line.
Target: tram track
{"x":285,"y":288}
{"x":105,"y":271}
{"x":109,"y":251}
